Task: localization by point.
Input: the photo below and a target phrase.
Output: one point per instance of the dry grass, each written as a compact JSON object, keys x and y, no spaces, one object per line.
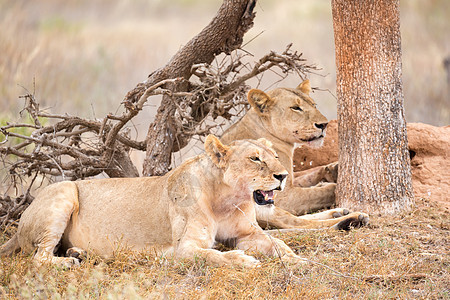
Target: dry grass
{"x":405,"y":257}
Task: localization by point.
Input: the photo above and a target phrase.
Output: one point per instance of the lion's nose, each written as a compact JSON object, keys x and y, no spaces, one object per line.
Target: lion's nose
{"x":280,"y":177}
{"x":321,"y":125}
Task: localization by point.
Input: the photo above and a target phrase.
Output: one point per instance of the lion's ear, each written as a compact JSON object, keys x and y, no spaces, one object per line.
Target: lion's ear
{"x":265,"y":142}
{"x":259,"y":100}
{"x":305,"y":87}
{"x":217,"y":151}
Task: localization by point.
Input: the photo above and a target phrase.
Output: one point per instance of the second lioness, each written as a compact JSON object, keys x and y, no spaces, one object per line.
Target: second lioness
{"x":286,"y":117}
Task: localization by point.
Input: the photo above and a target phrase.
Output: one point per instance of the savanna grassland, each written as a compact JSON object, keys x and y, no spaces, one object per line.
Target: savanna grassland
{"x":81,"y":57}
{"x":403,"y":257}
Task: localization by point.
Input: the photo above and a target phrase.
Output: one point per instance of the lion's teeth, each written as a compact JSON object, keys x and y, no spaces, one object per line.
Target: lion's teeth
{"x":266,"y":197}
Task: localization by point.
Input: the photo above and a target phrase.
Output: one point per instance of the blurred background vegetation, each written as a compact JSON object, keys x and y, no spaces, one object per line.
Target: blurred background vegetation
{"x":85,"y":55}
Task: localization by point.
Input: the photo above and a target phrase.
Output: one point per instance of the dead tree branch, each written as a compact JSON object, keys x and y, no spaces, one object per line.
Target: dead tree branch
{"x":75,"y":148}
{"x":220,"y":90}
{"x":223,"y":34}
{"x":201,"y":89}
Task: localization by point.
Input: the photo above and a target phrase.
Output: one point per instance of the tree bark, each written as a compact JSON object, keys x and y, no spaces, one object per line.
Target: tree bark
{"x":374,"y":165}
{"x":121,"y":164}
{"x":222,"y":35}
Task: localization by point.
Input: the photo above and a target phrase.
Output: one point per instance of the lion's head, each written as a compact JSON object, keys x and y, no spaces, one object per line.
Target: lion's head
{"x":249,"y":165}
{"x":290,"y":114}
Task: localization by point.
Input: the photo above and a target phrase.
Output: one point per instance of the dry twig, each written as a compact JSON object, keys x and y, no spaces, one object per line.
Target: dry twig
{"x":74,"y":148}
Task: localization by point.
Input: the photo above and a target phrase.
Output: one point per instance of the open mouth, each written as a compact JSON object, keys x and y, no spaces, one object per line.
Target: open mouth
{"x":263,"y":197}
{"x":312,"y":138}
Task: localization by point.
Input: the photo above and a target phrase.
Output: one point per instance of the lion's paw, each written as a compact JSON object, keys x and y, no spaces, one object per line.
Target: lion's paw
{"x":340,"y":212}
{"x":77,"y":253}
{"x":327,"y":185}
{"x":353,"y":220}
{"x":238,"y":257}
{"x":66,"y":262}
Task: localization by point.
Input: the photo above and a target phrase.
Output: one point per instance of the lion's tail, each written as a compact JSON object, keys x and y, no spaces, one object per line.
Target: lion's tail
{"x":10,"y":247}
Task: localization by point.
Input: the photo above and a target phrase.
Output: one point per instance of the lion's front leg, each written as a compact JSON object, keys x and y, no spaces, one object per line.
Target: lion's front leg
{"x":191,"y":250}
{"x":338,"y":218}
{"x":194,"y":239}
{"x":300,"y":200}
{"x":327,"y":214}
{"x":281,"y":219}
{"x":194,"y":248}
{"x":261,"y":242}
{"x":314,"y":176}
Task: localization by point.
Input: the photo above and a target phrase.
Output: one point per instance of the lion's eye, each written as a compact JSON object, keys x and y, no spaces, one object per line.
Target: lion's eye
{"x":297,"y":108}
{"x":255,"y":159}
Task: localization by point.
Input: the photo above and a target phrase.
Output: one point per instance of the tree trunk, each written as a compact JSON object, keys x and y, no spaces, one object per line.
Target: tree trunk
{"x":222,"y":35}
{"x":374,"y":165}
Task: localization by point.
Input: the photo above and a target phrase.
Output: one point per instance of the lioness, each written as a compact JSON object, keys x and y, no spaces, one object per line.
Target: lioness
{"x":286,"y":117}
{"x":206,"y":199}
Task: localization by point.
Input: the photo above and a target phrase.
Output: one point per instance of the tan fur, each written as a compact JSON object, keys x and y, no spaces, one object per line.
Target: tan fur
{"x":208,"y":198}
{"x":313,"y":176}
{"x":287,"y":117}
